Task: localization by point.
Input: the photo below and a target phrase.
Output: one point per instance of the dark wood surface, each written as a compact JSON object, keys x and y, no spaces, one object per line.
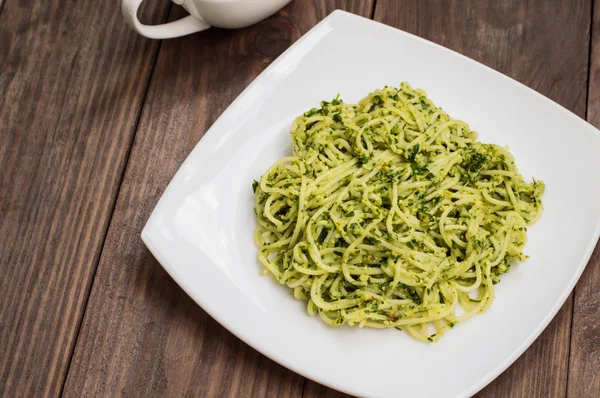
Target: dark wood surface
{"x":94,"y":122}
{"x":584,"y":363}
{"x":72,"y":84}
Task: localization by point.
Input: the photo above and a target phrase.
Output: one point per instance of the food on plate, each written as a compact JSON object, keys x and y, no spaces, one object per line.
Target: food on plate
{"x":390,"y":214}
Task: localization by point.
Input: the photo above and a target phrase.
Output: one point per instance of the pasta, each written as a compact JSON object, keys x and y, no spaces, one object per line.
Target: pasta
{"x":390,"y":214}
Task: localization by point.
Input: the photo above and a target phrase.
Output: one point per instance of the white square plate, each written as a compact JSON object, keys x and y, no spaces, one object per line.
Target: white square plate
{"x":201,"y":231}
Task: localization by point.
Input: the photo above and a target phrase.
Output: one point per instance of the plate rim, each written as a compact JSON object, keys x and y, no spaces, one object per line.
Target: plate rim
{"x":171,"y":269}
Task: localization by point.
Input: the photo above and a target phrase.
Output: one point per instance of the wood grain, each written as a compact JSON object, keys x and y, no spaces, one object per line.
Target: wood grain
{"x":72,"y":83}
{"x":142,"y":335}
{"x":584,"y":363}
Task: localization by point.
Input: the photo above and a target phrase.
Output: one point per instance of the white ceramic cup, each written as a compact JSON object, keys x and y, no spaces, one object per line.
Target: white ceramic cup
{"x":229,"y":14}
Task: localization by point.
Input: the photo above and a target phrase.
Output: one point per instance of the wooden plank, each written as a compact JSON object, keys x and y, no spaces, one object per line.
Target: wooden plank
{"x":72,"y":79}
{"x":141,"y":334}
{"x":584,"y":361}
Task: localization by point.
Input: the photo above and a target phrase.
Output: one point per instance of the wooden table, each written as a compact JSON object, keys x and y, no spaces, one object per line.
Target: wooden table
{"x":94,"y":122}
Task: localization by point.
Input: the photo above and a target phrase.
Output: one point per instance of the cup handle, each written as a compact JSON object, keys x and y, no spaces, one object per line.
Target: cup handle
{"x":182,"y":27}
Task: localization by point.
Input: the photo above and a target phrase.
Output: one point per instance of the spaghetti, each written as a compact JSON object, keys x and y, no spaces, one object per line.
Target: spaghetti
{"x":391,"y":214}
